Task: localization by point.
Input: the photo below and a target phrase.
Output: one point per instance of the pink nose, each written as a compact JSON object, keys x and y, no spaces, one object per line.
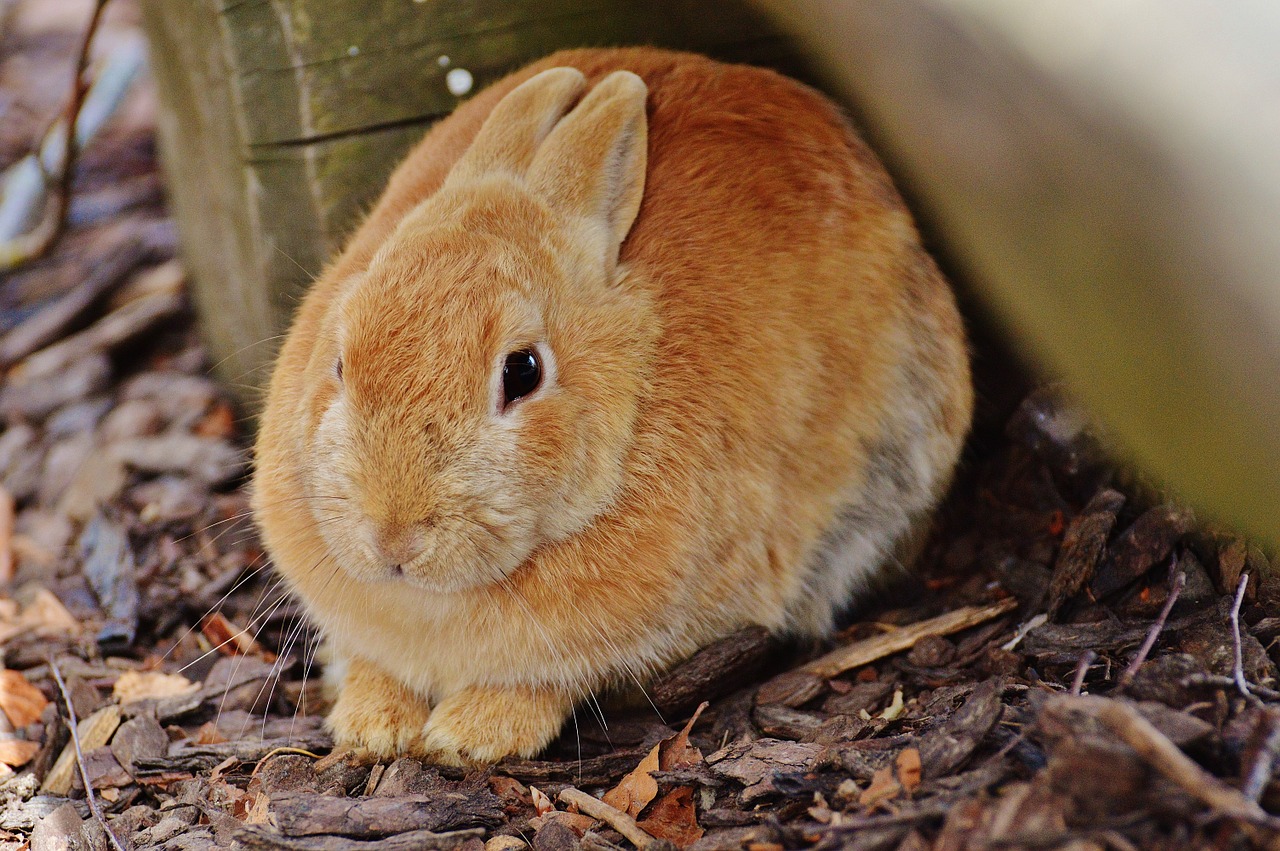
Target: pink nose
{"x":399,"y":547}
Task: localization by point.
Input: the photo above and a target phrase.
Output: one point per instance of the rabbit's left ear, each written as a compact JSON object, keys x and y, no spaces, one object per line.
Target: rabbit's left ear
{"x":592,"y":165}
{"x":519,"y":123}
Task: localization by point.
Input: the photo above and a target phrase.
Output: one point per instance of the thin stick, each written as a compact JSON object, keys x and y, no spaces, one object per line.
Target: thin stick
{"x":872,"y":649}
{"x":1258,"y":773}
{"x":84,"y":771}
{"x":1218,"y":681}
{"x":36,"y":243}
{"x":612,"y":816}
{"x":1082,"y":667}
{"x":1178,"y":581}
{"x":1163,"y":755}
{"x":7,"y":509}
{"x":1238,"y":670}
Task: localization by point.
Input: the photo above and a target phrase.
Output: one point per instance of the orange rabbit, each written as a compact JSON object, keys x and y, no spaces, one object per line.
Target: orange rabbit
{"x":637,"y":349}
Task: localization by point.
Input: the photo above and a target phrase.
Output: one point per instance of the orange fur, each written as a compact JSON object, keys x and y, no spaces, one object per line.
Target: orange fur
{"x":752,"y":403}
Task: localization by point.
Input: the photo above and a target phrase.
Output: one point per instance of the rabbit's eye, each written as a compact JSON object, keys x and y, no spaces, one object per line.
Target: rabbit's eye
{"x":521,"y":375}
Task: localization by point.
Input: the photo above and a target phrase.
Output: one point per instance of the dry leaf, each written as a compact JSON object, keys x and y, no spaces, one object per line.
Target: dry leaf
{"x":45,"y":616}
{"x":909,"y":769}
{"x":16,"y":753}
{"x":675,"y":818}
{"x":141,"y":685}
{"x":884,"y":786}
{"x":219,"y":422}
{"x":676,"y":752}
{"x":231,"y":640}
{"x":209,"y":734}
{"x":21,"y":701}
{"x":109,"y":794}
{"x":634,"y":792}
{"x":541,"y":802}
{"x":577,"y":822}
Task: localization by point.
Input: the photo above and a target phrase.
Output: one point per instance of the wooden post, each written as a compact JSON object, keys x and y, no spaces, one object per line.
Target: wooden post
{"x":283,"y":119}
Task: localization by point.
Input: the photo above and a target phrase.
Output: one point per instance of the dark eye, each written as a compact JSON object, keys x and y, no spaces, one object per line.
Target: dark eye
{"x":521,"y":375}
{"x":337,"y":369}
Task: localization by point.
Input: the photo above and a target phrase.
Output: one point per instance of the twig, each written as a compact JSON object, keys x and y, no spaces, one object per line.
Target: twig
{"x":1082,"y":667}
{"x":7,"y":508}
{"x":872,"y":649}
{"x":1266,"y":738}
{"x":1237,"y":645}
{"x":1176,"y":584}
{"x":37,"y":242}
{"x":612,"y":816}
{"x":1163,"y":755}
{"x":1219,"y":681}
{"x":90,"y":797}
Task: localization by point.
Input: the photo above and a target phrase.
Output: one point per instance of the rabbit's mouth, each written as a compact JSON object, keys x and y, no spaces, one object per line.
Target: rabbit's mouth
{"x":450,"y":554}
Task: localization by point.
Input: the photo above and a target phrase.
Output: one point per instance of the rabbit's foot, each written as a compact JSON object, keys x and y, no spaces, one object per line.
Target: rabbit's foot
{"x":481,"y":725}
{"x":376,"y":713}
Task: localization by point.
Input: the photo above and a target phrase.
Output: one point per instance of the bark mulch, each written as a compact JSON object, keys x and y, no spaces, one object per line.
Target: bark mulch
{"x":1078,"y":662}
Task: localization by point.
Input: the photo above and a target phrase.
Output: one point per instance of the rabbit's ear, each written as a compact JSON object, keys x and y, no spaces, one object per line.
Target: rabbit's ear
{"x":519,"y":123}
{"x":592,"y":165}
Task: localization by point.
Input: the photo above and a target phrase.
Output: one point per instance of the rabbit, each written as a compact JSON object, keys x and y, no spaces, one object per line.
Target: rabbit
{"x":637,"y":349}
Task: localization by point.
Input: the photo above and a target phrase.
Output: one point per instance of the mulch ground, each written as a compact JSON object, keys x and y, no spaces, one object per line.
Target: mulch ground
{"x":1077,"y":662}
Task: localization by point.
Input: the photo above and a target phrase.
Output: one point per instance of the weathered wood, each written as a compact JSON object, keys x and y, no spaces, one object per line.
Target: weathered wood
{"x":1106,"y":175}
{"x":284,"y":118}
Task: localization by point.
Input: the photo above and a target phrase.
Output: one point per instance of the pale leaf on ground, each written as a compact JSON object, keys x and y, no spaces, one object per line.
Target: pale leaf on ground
{"x":141,"y":685}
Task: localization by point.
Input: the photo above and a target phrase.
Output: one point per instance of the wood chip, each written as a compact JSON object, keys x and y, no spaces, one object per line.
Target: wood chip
{"x":306,"y":814}
{"x":113,"y":330}
{"x":1083,"y":546}
{"x":95,"y":731}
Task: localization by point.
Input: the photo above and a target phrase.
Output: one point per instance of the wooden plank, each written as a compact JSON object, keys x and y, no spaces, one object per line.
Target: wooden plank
{"x":284,"y":117}
{"x":315,"y":73}
{"x":1106,"y":173}
{"x":210,"y":190}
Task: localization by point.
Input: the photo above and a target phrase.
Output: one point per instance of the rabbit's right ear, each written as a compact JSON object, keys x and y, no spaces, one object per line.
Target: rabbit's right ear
{"x":593,"y":164}
{"x":519,"y":123}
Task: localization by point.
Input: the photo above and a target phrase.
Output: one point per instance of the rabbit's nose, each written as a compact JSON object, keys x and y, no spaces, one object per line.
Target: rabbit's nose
{"x":399,"y":546}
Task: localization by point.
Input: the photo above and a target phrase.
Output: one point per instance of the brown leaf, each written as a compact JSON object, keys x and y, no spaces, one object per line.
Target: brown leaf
{"x":676,"y":752}
{"x":909,"y":769}
{"x":209,"y":734}
{"x":541,"y":802}
{"x":231,"y":640}
{"x":884,"y":787}
{"x":19,"y":699}
{"x":16,"y":753}
{"x":675,"y":818}
{"x":219,"y":422}
{"x":141,"y":685}
{"x":634,"y":792}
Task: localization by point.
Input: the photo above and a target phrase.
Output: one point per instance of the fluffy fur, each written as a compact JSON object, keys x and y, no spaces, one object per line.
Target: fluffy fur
{"x":756,"y":385}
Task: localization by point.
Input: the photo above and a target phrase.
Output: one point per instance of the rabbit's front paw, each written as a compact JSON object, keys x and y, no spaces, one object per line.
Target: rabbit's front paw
{"x":376,"y":713}
{"x":481,"y":725}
